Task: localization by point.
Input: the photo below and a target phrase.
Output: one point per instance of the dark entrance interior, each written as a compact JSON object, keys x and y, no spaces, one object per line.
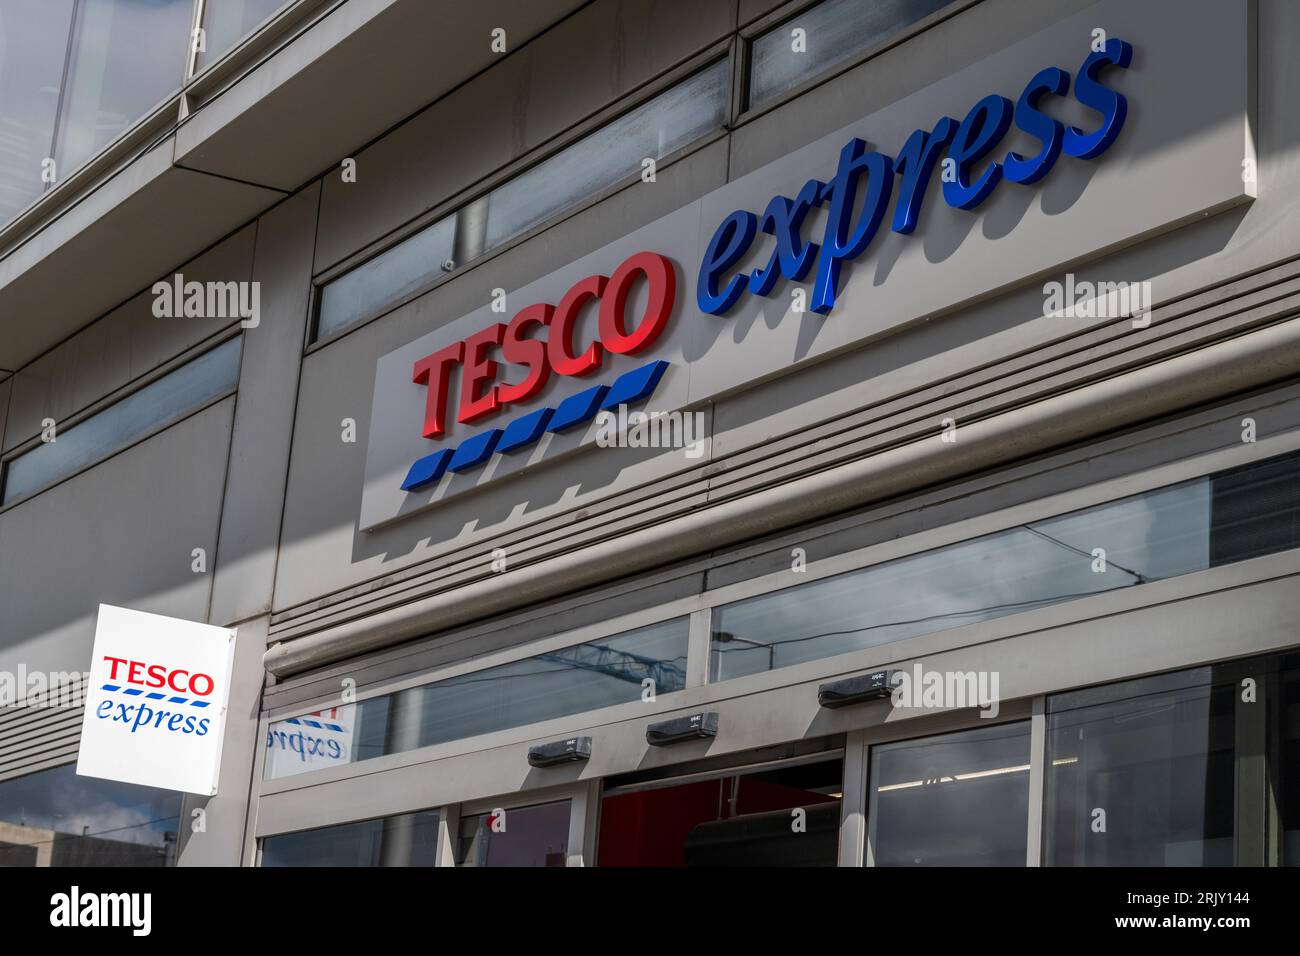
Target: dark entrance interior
{"x":744,"y":818}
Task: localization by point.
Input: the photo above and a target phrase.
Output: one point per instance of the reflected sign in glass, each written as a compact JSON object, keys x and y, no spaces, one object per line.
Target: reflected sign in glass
{"x":568,"y":680}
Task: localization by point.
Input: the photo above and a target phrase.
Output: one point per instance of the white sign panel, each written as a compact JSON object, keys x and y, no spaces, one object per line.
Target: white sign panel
{"x":156,"y":701}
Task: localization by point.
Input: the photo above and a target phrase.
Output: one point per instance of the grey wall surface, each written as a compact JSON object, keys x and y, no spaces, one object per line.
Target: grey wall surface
{"x":574,"y":69}
{"x":121,"y":533}
{"x":322,"y":546}
{"x":955,"y":256}
{"x":120,"y":347}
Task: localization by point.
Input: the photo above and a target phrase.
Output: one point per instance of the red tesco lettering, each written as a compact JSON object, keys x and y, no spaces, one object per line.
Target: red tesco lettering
{"x":519,"y":343}
{"x":158,"y":675}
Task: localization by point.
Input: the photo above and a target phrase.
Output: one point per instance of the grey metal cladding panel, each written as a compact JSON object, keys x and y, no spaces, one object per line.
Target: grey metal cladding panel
{"x":54,"y":755}
{"x":6,"y":385}
{"x":1038,"y":652}
{"x":220,"y":844}
{"x":120,"y":533}
{"x":120,"y":347}
{"x":1129,"y":453}
{"x":466,"y":643}
{"x":268,"y":384}
{"x":82,"y":267}
{"x":858,"y":430}
{"x":955,"y":258}
{"x":1003,"y":335}
{"x":574,"y":69}
{"x":1025,"y":378}
{"x":320,"y":549}
{"x":964,"y":39}
{"x":466,"y":569}
{"x":354,"y":73}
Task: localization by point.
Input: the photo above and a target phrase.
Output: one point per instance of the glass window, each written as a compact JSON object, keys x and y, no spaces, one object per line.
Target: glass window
{"x":1142,"y":774}
{"x":126,"y":57}
{"x":410,"y":839}
{"x":56,"y":818}
{"x":958,"y":799}
{"x":160,"y":402}
{"x":784,"y":816}
{"x":612,"y":153}
{"x":33,"y":47}
{"x":389,"y":277}
{"x":833,"y":31}
{"x":596,"y":162}
{"x":1286,"y":760}
{"x":554,"y":684}
{"x":1160,"y":534}
{"x":519,"y":836}
{"x":226,"y":22}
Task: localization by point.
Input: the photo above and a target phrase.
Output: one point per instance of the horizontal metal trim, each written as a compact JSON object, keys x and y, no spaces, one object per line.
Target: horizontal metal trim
{"x":1212,"y":313}
{"x":1239,"y":363}
{"x":1114,"y":636}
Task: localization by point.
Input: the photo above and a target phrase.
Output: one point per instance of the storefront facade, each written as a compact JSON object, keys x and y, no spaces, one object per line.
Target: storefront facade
{"x":656,"y":371}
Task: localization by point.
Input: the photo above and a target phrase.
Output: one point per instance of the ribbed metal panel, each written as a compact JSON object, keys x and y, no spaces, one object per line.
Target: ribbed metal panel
{"x":1211,"y":315}
{"x":42,"y":732}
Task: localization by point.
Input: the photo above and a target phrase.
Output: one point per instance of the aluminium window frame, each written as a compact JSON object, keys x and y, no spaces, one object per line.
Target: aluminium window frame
{"x":161,"y":371}
{"x":722,"y":50}
{"x":699,"y":607}
{"x":157,"y":124}
{"x":698,"y":695}
{"x":746,"y":112}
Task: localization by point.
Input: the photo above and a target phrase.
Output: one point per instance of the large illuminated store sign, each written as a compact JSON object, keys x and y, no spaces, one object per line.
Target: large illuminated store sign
{"x":507,"y":364}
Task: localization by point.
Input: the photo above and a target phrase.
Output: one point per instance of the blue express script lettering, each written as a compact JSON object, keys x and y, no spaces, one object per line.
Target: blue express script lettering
{"x":157,"y":696}
{"x":967,"y":142}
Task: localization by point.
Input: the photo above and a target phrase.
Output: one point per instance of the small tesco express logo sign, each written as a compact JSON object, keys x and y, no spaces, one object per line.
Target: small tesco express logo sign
{"x":156,"y":702}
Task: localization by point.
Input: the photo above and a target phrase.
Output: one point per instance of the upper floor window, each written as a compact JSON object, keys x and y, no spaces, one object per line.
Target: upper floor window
{"x":823,"y":36}
{"x":1191,"y":526}
{"x":146,"y":410}
{"x":601,"y":159}
{"x":226,"y":22}
{"x":76,"y":74}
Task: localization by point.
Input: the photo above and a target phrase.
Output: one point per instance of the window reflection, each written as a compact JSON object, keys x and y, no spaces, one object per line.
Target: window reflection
{"x":33,"y":45}
{"x":953,"y":800}
{"x":1142,"y":779}
{"x":409,"y":839}
{"x":126,"y":57}
{"x":389,"y":277}
{"x":518,"y":836}
{"x":1187,"y":527}
{"x":557,"y":683}
{"x":611,"y":154}
{"x":120,"y":424}
{"x":57,"y":818}
{"x":226,"y":22}
{"x":1286,"y":758}
{"x":832,"y":32}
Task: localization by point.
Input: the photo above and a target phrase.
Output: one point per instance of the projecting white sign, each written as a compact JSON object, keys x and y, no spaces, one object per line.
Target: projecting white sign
{"x":156,"y":701}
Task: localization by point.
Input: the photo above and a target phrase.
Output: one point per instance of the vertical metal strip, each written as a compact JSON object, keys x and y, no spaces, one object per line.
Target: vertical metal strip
{"x":1037,"y":781}
{"x":853,"y":802}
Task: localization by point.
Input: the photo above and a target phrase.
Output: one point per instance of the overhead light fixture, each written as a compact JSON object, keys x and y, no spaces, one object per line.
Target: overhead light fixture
{"x":856,"y":690}
{"x":560,"y":751}
{"x":679,"y":729}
